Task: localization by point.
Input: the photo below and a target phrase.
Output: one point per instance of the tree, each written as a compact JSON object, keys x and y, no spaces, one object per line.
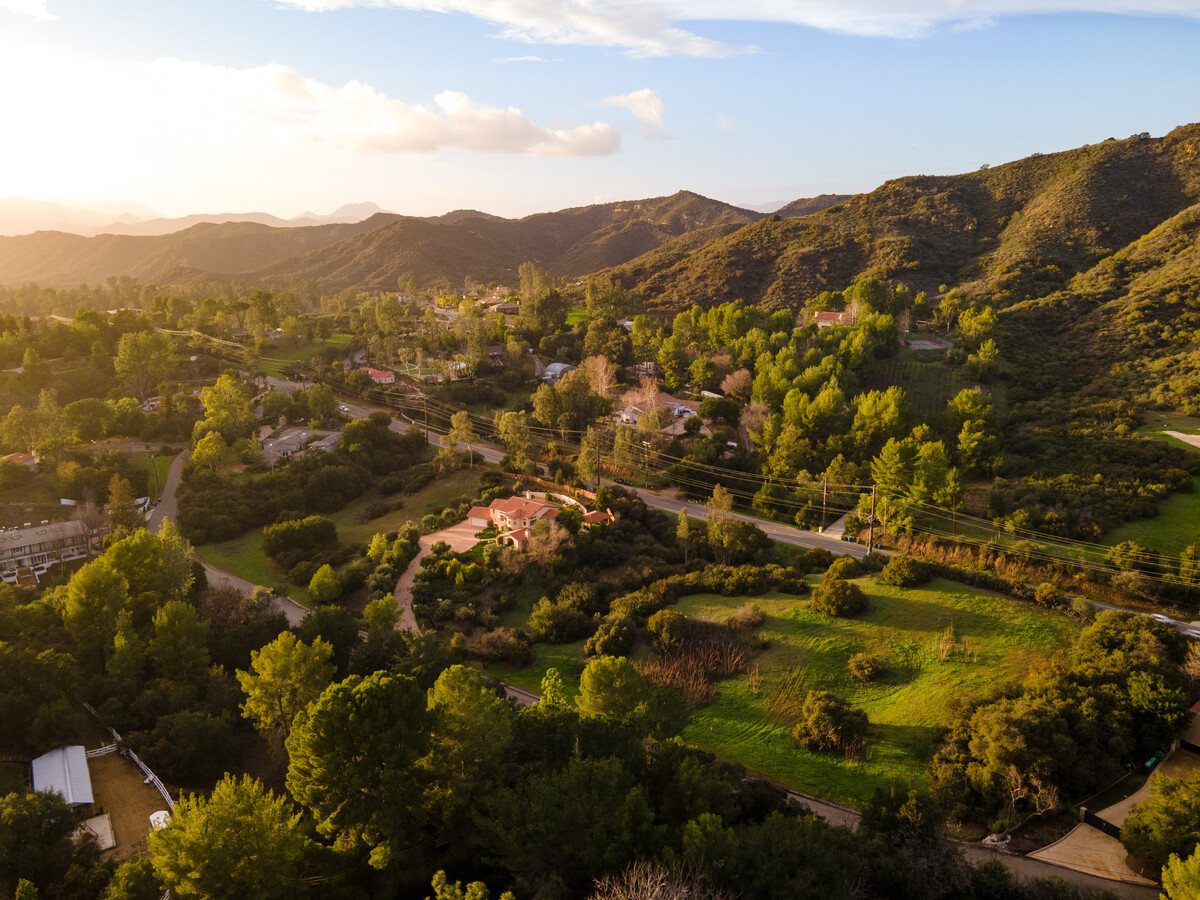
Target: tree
{"x":287,"y":675}
{"x":612,"y":686}
{"x":121,"y":511}
{"x":212,"y":451}
{"x":514,"y":431}
{"x":476,"y":890}
{"x":721,"y":532}
{"x":1181,"y":877}
{"x":95,"y":596}
{"x":134,"y":880}
{"x":461,"y":432}
{"x":472,"y":729}
{"x":226,"y":408}
{"x":321,"y":401}
{"x":353,"y":761}
{"x":1167,"y":822}
{"x":324,"y":587}
{"x":554,"y":693}
{"x":144,"y":358}
{"x":35,"y":838}
{"x":601,"y":375}
{"x":683,"y":534}
{"x":178,"y":648}
{"x":243,"y":841}
{"x":837,"y":597}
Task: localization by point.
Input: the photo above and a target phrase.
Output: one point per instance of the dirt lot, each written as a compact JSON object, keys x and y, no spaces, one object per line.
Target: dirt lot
{"x":121,"y":791}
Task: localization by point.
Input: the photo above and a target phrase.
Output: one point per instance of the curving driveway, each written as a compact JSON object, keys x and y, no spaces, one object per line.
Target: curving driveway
{"x":460,"y":537}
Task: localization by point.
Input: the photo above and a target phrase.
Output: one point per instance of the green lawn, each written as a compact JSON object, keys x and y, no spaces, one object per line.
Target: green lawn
{"x":577,"y":315}
{"x":1176,"y":527}
{"x":929,"y":386}
{"x":432,"y":498}
{"x":243,"y":557}
{"x":807,"y":651}
{"x":567,"y":658}
{"x":277,"y":362}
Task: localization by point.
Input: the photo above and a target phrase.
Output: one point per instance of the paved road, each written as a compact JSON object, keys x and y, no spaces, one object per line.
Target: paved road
{"x":167,"y":508}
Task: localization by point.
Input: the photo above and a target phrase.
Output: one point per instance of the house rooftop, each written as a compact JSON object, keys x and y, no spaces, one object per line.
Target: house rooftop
{"x":64,"y":771}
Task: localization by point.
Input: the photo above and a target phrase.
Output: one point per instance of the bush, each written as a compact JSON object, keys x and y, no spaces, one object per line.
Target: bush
{"x":830,"y":724}
{"x":818,"y":559}
{"x":866,"y":667}
{"x":325,"y":586}
{"x":1166,"y":822}
{"x":557,"y":624}
{"x":614,"y":638}
{"x":904,"y":571}
{"x":836,"y":597}
{"x":746,"y":616}
{"x":843,"y":567}
{"x":289,"y":542}
{"x":669,"y":629}
{"x":302,"y":572}
{"x":504,"y":645}
{"x":1049,"y":596}
{"x":874,"y":561}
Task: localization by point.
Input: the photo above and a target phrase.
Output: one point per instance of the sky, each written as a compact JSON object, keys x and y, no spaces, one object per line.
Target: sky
{"x":522,"y":106}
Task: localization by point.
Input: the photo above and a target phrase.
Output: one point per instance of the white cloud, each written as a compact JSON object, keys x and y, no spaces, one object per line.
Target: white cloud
{"x":517,"y":59}
{"x":725,"y":123}
{"x":33,"y":8}
{"x":650,"y":27}
{"x":646,"y":106}
{"x":275,"y":102}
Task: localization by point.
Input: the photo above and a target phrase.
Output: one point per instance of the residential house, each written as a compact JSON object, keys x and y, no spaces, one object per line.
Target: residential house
{"x":828,"y":319}
{"x":554,"y":372}
{"x":380,"y":376}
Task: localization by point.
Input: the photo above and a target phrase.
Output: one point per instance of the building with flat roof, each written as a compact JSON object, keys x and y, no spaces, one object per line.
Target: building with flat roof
{"x":32,"y":551}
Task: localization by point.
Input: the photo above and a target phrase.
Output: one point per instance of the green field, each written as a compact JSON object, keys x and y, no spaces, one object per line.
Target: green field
{"x":277,"y":362}
{"x":244,"y":558}
{"x":907,"y":709}
{"x":1176,"y":527}
{"x":432,"y":498}
{"x":577,"y":315}
{"x":929,"y":386}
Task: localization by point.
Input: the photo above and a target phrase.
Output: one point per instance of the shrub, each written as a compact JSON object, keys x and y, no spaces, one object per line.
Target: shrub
{"x":1166,"y":822}
{"x":613,"y":638}
{"x":579,"y":596}
{"x":746,"y":616}
{"x":874,"y":561}
{"x":669,"y":628}
{"x":836,"y":597}
{"x":289,"y":542}
{"x":844,"y":567}
{"x":325,"y":586}
{"x":506,"y":645}
{"x":866,"y":667}
{"x":904,"y":571}
{"x":557,"y":624}
{"x":1049,"y":596}
{"x":302,"y":572}
{"x":818,"y":559}
{"x":830,"y":724}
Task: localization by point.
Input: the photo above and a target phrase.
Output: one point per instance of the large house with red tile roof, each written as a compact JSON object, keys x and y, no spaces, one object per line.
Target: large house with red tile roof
{"x":514,"y":518}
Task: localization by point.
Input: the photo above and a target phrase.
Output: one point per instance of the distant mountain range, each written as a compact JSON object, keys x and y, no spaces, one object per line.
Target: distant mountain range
{"x":1010,"y":233}
{"x":377,"y":251}
{"x":19,"y":216}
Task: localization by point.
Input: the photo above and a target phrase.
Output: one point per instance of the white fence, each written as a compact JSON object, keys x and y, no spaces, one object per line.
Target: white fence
{"x":151,"y":778}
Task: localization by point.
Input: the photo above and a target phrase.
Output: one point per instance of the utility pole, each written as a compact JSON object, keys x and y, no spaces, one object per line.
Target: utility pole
{"x":598,"y":457}
{"x":426,"y":405}
{"x":1191,"y":574}
{"x":871,"y":525}
{"x":824,"y":492}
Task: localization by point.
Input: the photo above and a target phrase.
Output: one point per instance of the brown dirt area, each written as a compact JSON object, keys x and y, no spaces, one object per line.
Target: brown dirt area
{"x":120,"y":790}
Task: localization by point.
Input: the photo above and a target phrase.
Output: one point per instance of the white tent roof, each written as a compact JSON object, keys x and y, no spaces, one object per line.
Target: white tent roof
{"x":64,"y":771}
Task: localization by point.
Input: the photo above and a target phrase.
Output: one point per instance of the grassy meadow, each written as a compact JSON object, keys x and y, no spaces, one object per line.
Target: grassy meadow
{"x":997,"y":641}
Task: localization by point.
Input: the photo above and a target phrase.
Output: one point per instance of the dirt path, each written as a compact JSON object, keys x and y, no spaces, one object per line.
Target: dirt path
{"x":167,"y":507}
{"x":460,"y":537}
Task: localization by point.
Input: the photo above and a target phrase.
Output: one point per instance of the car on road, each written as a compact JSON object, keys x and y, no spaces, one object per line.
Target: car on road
{"x":344,"y":409}
{"x":1159,"y":617}
{"x":1191,"y":632}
